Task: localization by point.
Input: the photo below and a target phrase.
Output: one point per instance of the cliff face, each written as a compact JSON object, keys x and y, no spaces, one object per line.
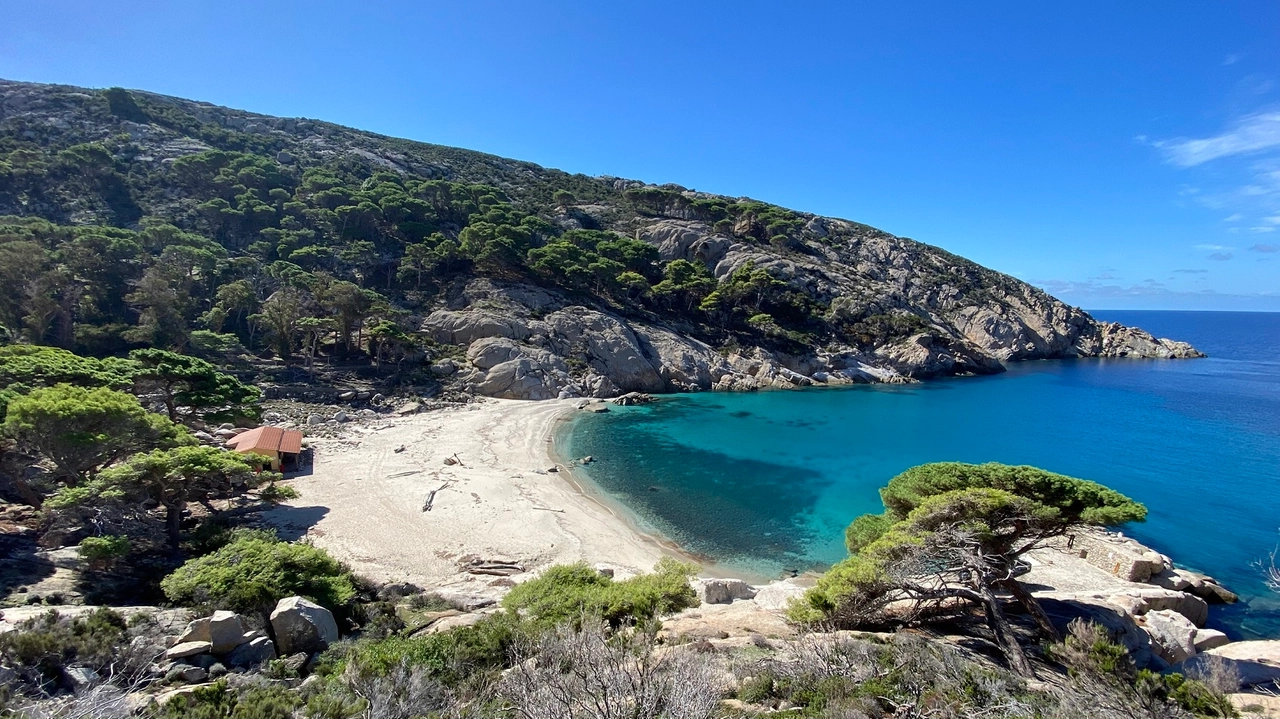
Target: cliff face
{"x":735,"y":294}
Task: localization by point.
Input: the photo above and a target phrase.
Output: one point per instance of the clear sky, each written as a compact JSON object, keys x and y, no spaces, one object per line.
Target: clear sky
{"x":1119,"y":154}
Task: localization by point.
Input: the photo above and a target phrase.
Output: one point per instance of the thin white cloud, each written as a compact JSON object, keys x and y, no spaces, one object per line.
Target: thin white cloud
{"x":1262,"y":228}
{"x":1213,"y":247}
{"x":1191,"y":272}
{"x":1234,"y":218}
{"x":1253,"y":133}
{"x":1231,"y":59}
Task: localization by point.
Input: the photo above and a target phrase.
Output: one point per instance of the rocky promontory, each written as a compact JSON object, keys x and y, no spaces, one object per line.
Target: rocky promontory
{"x":527,"y":342}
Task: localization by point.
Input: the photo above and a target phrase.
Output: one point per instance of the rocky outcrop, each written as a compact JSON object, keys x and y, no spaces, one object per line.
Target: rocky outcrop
{"x":1117,"y":340}
{"x":1155,"y":609}
{"x":1256,"y":663}
{"x":722,"y":591}
{"x":550,"y":348}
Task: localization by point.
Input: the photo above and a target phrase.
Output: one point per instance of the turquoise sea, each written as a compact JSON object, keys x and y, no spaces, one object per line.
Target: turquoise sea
{"x":765,"y":483}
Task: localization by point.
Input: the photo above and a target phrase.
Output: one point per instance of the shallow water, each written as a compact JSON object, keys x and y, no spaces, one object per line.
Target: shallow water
{"x":765,"y":482}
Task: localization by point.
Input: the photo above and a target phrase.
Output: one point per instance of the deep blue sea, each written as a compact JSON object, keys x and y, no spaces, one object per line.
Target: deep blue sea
{"x":762,"y":483}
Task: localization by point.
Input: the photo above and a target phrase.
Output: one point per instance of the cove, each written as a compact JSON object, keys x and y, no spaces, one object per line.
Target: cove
{"x":763,"y":483}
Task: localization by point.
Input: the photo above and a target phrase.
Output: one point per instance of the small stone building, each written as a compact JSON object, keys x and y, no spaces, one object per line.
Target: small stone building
{"x":282,"y":446}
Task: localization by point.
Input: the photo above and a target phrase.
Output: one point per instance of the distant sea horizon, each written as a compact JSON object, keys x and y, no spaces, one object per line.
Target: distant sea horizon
{"x":764,"y":483}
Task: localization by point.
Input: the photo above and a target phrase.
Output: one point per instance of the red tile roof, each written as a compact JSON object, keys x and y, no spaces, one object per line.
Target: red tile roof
{"x":267,"y":440}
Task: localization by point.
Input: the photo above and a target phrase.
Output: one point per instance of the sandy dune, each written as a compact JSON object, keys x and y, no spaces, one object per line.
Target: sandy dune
{"x":364,"y":501}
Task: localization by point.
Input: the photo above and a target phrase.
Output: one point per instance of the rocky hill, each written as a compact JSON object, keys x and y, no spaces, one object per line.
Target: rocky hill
{"x":138,"y":219}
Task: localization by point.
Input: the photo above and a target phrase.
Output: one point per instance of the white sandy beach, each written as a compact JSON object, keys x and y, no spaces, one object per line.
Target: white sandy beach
{"x":364,"y":501}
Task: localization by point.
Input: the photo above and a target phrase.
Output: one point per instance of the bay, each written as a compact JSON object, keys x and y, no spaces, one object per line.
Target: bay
{"x":759,"y":484}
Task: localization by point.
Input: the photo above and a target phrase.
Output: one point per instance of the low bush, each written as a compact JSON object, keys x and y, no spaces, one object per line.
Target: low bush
{"x":1104,"y":678}
{"x":448,"y":657}
{"x":254,"y":571}
{"x":569,"y":592}
{"x":277,"y":493}
{"x":51,"y":642}
{"x":102,"y":552}
{"x":217,"y":701}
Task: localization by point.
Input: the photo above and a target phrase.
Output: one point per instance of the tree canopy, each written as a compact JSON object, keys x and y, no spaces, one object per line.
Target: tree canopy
{"x":193,"y":382}
{"x":169,"y":477}
{"x":82,"y":430}
{"x":952,"y":535}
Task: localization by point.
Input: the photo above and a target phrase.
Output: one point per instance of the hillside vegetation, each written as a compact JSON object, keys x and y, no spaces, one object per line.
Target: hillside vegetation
{"x":137,"y":220}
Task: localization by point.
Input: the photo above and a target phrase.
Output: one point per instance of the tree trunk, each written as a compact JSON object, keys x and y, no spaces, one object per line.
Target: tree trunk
{"x":1033,"y":608}
{"x":1003,"y":631}
{"x":173,"y":522}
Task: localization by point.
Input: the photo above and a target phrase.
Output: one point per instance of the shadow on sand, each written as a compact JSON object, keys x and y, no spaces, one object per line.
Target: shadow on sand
{"x":293,"y":523}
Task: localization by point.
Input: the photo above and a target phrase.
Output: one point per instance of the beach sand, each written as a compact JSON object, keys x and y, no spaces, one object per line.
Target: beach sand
{"x":363,"y":501}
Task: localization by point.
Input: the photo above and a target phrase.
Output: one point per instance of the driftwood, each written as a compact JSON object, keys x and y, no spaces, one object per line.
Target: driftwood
{"x":549,"y":509}
{"x":404,"y":474}
{"x":493,"y":568}
{"x":431,"y":496}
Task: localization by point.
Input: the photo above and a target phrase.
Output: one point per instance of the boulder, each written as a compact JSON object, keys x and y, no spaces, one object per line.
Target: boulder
{"x":187,"y":649}
{"x":723,"y":591}
{"x":1207,"y":639}
{"x":257,"y":651}
{"x":294,"y":663}
{"x":314,"y":419}
{"x":196,"y":631}
{"x":1256,"y":662}
{"x":340,"y":416}
{"x":1200,"y":585}
{"x":1155,"y":598}
{"x":302,"y":626}
{"x":226,"y":631}
{"x":776,"y":596}
{"x":633,"y":398}
{"x":166,"y":697}
{"x":79,"y":679}
{"x":1172,"y":635}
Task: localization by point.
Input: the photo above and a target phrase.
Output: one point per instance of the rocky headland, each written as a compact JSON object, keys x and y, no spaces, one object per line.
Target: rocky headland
{"x":526,"y":342}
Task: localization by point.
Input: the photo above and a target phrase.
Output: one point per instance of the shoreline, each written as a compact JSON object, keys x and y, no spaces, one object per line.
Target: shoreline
{"x":578,"y":476}
{"x":363,"y":500}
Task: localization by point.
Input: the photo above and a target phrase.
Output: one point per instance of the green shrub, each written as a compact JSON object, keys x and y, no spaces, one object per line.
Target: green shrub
{"x":566,"y":593}
{"x":277,"y":493}
{"x":256,"y":570}
{"x":103,"y":551}
{"x":757,"y":689}
{"x":1190,"y":694}
{"x":218,"y":702}
{"x":449,"y":657}
{"x":50,"y":642}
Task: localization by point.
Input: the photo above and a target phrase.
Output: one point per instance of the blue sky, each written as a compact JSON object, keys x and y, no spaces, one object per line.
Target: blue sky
{"x":1121,"y":155}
